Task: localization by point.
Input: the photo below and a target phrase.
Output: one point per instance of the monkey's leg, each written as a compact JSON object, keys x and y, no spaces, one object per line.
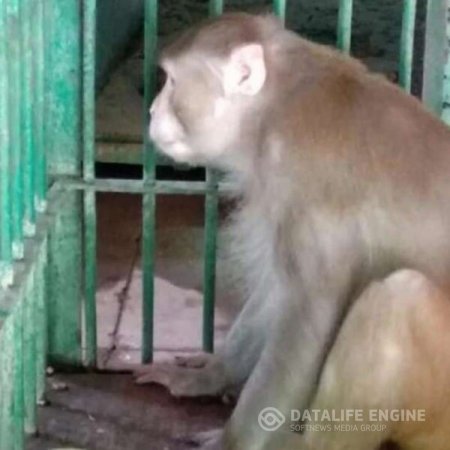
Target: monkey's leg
{"x":363,"y":371}
{"x":216,"y":374}
{"x":390,"y":354}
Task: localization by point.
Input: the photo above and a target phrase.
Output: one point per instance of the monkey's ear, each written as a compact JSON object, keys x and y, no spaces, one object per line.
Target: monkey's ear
{"x":245,"y":72}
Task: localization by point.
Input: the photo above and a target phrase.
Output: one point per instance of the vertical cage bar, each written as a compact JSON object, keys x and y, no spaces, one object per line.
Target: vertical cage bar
{"x":279,"y":8}
{"x":40,"y":176}
{"x":435,"y":54}
{"x":15,"y":98}
{"x":216,"y":7}
{"x":28,"y":144}
{"x":446,"y":85}
{"x":7,"y":384}
{"x":344,"y":31}
{"x":65,"y":151}
{"x":90,"y":219}
{"x":29,"y":353}
{"x":210,"y":239}
{"x":18,"y":416}
{"x":5,"y":151}
{"x":407,"y":43}
{"x":41,"y":321}
{"x":210,"y":257}
{"x":149,"y":199}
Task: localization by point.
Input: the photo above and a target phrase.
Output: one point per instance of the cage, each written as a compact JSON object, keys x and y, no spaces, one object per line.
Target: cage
{"x":76,"y":80}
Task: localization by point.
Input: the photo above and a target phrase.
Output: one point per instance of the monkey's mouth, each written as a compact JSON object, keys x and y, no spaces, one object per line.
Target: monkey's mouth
{"x":175,"y":149}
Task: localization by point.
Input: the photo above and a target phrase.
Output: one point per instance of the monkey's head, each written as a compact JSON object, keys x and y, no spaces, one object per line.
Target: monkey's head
{"x":215,"y":79}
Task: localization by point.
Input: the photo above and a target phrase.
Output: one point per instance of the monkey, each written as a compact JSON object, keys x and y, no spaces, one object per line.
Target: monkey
{"x":341,"y":233}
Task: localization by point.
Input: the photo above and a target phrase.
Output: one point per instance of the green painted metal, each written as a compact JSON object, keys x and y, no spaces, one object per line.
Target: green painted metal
{"x":90,"y":215}
{"x":65,"y":290}
{"x":13,"y":28}
{"x":216,"y":7}
{"x":41,"y":314}
{"x":210,"y":240}
{"x":27,"y":117}
{"x":279,"y":8}
{"x":407,"y":43}
{"x":436,"y":46}
{"x":446,"y":88}
{"x":19,"y":321}
{"x":5,"y":182}
{"x":22,"y":335}
{"x":19,"y":400}
{"x":7,"y":423}
{"x":38,"y":26}
{"x":167,"y":187}
{"x":210,"y":257}
{"x":63,"y":20}
{"x":344,"y":30}
{"x":63,"y":143}
{"x":29,"y":333}
{"x":149,"y":200}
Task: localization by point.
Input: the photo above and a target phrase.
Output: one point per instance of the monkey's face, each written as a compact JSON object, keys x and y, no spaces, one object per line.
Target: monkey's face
{"x":198,"y":115}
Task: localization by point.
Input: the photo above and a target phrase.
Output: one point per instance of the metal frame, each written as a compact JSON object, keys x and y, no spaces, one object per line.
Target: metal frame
{"x":48,"y":236}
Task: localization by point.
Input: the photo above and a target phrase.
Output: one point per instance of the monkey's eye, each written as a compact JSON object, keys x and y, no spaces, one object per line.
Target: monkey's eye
{"x":161,"y":78}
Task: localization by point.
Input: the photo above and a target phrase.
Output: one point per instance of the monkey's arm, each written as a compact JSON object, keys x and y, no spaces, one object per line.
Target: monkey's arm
{"x":284,"y":378}
{"x":311,"y":304}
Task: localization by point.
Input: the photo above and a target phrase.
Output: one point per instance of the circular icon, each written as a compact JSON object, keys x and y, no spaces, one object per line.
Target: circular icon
{"x":270,"y":419}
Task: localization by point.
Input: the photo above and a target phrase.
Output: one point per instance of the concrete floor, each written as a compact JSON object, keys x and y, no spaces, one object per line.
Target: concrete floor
{"x":108,"y":411}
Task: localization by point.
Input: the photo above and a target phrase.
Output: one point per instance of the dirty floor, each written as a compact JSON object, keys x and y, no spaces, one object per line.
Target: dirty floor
{"x":110,"y":412}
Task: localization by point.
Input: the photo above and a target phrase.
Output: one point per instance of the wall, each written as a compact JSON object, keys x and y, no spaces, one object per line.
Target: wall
{"x":117,"y":22}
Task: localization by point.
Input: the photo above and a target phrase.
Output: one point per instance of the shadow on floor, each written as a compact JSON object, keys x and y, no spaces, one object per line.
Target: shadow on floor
{"x":110,"y":412}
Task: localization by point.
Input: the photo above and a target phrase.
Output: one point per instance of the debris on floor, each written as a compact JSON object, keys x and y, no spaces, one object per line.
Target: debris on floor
{"x":110,"y":412}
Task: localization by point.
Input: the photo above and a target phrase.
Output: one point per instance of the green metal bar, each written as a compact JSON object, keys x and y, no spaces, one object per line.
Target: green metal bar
{"x":446,"y":88}
{"x":19,"y":401}
{"x":210,"y":258}
{"x":7,"y":423}
{"x":41,"y":321}
{"x":344,"y":31}
{"x":6,"y":273}
{"x":89,"y":22}
{"x":407,"y":43}
{"x":30,"y":352}
{"x":435,"y":54}
{"x":210,"y":242}
{"x":27,"y":115}
{"x":15,"y":100}
{"x":136,"y":187}
{"x":279,"y":8}
{"x":63,"y":143}
{"x":149,"y":200}
{"x":216,"y":7}
{"x":40,"y":177}
{"x":90,"y":218}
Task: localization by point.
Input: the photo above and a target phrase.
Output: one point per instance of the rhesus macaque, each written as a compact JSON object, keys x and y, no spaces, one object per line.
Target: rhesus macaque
{"x":343,"y":234}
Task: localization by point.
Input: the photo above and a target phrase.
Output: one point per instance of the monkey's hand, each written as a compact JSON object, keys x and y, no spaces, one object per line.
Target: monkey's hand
{"x":202,"y":375}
